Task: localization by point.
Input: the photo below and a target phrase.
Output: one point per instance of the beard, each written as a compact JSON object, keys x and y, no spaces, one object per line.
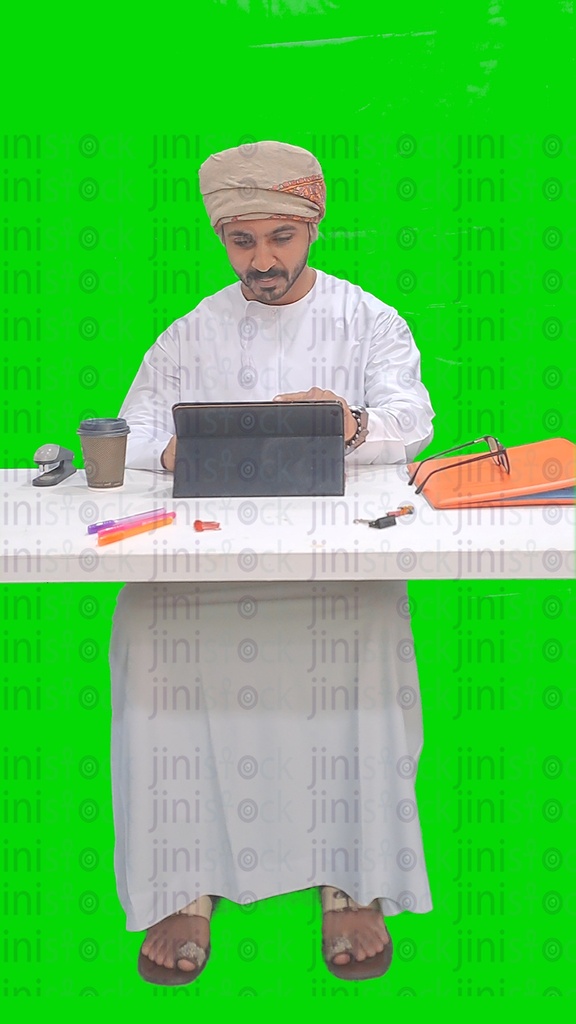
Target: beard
{"x":281,"y":281}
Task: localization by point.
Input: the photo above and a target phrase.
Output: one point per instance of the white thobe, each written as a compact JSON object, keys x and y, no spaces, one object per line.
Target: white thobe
{"x":266,"y":736}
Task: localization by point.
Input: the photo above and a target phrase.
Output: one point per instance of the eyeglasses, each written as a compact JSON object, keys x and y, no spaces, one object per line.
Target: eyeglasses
{"x":497,"y":453}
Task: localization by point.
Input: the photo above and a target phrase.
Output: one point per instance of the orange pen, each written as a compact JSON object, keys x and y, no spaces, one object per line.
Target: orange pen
{"x":119,"y":533}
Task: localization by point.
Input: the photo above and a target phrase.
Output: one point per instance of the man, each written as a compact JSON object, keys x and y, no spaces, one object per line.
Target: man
{"x":266,"y":736}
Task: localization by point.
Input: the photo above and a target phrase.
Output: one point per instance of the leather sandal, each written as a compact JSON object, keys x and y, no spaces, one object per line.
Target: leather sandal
{"x":158,"y":974}
{"x":354,"y":970}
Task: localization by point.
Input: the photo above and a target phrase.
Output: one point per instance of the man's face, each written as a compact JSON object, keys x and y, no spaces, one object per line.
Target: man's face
{"x":268,"y":256}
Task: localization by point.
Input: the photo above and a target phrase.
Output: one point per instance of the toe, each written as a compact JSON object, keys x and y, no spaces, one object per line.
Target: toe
{"x":167,"y":955}
{"x":371,"y":949}
{"x":150,"y":950}
{"x":154,"y":946}
{"x":341,"y":958}
{"x":187,"y":965}
{"x":158,"y":955}
{"x":373,"y":944}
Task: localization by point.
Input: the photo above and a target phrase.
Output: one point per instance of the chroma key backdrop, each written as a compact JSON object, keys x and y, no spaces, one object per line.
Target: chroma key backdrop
{"x":448,"y":147}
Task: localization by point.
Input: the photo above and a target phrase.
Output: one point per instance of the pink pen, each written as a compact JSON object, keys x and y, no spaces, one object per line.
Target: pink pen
{"x":125,"y":520}
{"x":124,"y":530}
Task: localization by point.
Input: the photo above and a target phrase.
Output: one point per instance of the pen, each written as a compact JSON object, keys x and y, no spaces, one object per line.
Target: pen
{"x":131,"y":529}
{"x":107,"y":523}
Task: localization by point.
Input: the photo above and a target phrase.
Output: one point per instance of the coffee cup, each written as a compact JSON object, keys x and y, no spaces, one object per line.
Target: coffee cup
{"x":103,"y":444}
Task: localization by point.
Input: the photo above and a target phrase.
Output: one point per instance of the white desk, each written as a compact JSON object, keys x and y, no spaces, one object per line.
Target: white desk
{"x":44,"y":535}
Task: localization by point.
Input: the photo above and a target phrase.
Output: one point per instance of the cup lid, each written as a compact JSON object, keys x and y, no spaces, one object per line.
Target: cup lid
{"x":101,"y":426}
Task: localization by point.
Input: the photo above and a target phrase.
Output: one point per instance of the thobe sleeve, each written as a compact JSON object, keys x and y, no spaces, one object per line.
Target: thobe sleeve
{"x":147,"y":407}
{"x":399,"y":410}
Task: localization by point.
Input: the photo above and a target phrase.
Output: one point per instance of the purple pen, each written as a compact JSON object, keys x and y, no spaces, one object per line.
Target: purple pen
{"x":106,"y":524}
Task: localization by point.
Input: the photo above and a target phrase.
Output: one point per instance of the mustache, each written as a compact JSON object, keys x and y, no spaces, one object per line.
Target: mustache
{"x":256,"y":275}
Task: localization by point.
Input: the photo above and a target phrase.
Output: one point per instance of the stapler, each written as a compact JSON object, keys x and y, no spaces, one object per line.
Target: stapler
{"x":55,"y":463}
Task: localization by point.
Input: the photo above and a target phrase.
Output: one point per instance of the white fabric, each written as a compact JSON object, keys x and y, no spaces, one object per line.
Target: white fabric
{"x":266,"y":736}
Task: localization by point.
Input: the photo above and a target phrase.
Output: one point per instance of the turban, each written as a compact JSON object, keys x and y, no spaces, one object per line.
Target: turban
{"x":263,"y":180}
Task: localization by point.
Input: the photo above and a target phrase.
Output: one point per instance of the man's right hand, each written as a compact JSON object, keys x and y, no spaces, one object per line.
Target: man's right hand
{"x":168,"y":457}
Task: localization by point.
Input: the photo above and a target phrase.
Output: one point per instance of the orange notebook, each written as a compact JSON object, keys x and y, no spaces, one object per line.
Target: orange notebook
{"x":542,"y":473}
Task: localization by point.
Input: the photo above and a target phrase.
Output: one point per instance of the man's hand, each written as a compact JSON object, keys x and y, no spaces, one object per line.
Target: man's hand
{"x":317,"y":395}
{"x":168,"y":457}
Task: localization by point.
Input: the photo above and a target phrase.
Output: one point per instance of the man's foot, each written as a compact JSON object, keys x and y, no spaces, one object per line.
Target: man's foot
{"x":356,"y":943}
{"x":176,"y":950}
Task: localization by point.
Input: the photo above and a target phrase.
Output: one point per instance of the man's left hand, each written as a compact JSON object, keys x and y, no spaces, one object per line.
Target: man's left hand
{"x":318,"y":395}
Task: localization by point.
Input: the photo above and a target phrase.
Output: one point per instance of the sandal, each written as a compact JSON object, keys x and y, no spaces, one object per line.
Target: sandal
{"x":158,"y":974}
{"x":354,"y":970}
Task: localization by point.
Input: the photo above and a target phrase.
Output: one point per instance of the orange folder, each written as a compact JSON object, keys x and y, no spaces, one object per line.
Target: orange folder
{"x":542,"y":473}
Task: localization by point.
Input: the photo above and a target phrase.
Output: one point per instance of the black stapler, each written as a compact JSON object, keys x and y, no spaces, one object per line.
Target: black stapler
{"x":60,"y":461}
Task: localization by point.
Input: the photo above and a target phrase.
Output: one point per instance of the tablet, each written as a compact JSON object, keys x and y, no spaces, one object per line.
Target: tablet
{"x":259,"y":448}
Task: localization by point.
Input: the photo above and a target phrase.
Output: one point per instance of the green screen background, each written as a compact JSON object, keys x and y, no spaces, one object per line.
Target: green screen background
{"x":448,"y":149}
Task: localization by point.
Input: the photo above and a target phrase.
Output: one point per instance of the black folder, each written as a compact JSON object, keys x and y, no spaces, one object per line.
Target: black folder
{"x":258,"y":449}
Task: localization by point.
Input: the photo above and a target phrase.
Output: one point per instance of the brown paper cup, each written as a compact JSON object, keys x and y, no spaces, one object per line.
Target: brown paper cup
{"x":104,"y":450}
